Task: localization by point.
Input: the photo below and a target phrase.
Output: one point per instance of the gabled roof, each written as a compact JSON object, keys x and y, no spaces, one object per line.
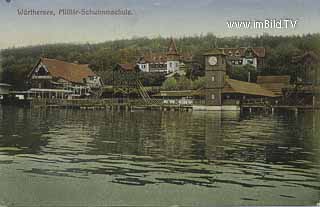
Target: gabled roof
{"x":258,"y":51}
{"x":153,"y":58}
{"x":126,"y":67}
{"x":274,"y":83}
{"x":172,"y":49}
{"x":231,"y":86}
{"x":162,"y":58}
{"x":72,"y":72}
{"x":214,"y":52}
{"x":241,"y":87}
{"x":285,"y":79}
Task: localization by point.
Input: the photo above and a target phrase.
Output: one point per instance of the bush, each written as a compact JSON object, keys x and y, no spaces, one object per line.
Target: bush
{"x":169,"y":84}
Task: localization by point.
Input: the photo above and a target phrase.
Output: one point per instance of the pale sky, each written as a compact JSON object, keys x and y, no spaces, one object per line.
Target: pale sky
{"x":151,"y":18}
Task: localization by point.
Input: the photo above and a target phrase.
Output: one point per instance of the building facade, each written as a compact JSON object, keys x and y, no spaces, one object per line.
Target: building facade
{"x":51,"y":74}
{"x":242,"y":56}
{"x":215,"y":72}
{"x":170,"y":62}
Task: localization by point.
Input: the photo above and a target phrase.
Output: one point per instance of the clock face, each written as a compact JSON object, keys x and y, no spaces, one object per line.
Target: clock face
{"x":213,"y":60}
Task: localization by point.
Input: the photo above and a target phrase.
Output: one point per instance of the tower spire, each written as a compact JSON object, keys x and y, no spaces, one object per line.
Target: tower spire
{"x":172,"y":49}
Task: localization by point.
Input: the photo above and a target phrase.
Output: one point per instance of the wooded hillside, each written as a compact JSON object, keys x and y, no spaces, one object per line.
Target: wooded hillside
{"x":102,"y":57}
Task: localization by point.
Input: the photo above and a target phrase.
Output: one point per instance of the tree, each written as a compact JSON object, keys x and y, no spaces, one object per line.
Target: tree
{"x":184,"y":83}
{"x":242,"y":73}
{"x":199,"y":83}
{"x":169,"y":84}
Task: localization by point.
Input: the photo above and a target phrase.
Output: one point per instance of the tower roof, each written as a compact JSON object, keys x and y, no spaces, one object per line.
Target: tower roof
{"x":214,"y":52}
{"x":172,"y":49}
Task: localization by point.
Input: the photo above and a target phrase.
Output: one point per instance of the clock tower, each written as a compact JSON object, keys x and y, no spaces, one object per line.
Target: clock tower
{"x":215,"y":71}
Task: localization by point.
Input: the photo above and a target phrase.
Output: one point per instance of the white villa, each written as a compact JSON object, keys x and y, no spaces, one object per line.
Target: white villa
{"x":170,"y":62}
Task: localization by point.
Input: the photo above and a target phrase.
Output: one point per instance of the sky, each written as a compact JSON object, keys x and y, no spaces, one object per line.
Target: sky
{"x":151,"y":18}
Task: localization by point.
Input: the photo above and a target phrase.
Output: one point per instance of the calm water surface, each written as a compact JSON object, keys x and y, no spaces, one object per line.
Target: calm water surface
{"x":98,"y":158}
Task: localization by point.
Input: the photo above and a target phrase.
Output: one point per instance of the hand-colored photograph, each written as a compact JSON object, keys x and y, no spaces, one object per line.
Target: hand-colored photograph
{"x":160,"y":103}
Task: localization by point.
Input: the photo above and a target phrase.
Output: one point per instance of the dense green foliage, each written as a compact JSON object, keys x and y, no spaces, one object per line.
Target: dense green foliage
{"x":102,"y":57}
{"x":183,"y":83}
{"x":243,"y":73}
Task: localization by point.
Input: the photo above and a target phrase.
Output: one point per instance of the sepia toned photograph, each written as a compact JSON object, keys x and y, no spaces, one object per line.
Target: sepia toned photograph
{"x":163,"y":103}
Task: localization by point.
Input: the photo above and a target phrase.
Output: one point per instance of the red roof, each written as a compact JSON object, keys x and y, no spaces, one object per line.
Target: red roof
{"x":126,"y":67}
{"x":162,"y":57}
{"x":72,"y":72}
{"x":257,"y":51}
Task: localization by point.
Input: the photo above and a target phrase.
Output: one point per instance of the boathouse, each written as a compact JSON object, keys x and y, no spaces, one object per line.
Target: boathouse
{"x":51,"y":78}
{"x":234,"y":93}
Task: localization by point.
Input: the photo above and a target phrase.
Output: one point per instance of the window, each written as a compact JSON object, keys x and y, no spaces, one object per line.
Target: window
{"x":250,"y":61}
{"x":213,"y":97}
{"x":170,"y":65}
{"x":237,"y":53}
{"x":176,"y":64}
{"x":213,"y":78}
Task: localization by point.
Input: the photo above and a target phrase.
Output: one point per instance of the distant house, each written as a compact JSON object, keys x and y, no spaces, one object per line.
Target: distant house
{"x":310,"y":63}
{"x":50,"y":75}
{"x":241,"y":56}
{"x":170,"y":62}
{"x":125,"y":75}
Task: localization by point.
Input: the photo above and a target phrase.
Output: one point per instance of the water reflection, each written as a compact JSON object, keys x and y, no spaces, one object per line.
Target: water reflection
{"x":209,"y":150}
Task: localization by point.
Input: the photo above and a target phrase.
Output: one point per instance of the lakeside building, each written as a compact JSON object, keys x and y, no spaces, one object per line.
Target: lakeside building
{"x":241,"y":56}
{"x":306,"y":89}
{"x":51,"y":78}
{"x":233,"y":93}
{"x":170,"y":62}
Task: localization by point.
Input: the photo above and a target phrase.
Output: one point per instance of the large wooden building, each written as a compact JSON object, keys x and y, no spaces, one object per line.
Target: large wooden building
{"x":52,"y":78}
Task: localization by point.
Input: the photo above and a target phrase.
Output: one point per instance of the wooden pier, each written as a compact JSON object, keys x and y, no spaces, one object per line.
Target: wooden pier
{"x":123,"y":104}
{"x":106,"y":104}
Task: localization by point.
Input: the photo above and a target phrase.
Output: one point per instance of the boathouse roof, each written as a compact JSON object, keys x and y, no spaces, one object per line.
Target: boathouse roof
{"x":242,"y":87}
{"x":274,"y":83}
{"x":72,"y":72}
{"x":232,"y":86}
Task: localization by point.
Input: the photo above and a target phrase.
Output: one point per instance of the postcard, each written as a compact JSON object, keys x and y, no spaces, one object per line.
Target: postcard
{"x":159,"y":103}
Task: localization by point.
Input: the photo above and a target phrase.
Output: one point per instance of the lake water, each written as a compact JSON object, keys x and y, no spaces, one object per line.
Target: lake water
{"x":152,"y":158}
